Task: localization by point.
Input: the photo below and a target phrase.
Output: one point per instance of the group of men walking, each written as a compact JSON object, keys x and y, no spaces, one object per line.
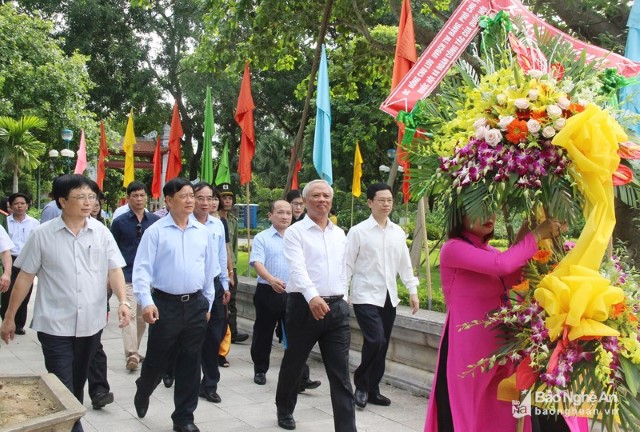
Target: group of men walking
{"x":175,"y":273}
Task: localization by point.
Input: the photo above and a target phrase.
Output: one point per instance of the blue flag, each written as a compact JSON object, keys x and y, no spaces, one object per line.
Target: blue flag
{"x":322,"y":138}
{"x":630,"y":95}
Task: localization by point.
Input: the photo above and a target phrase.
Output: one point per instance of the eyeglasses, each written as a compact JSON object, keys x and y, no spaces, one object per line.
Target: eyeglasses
{"x":202,"y":199}
{"x":139,"y":231}
{"x":90,"y":197}
{"x":297,"y":204}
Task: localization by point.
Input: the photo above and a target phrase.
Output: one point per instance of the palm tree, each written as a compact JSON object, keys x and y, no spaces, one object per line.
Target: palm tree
{"x":19,"y":149}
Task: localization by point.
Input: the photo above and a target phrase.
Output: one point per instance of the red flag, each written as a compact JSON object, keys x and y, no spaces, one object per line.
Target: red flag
{"x":81,"y":161}
{"x":244,"y":118}
{"x":404,"y":60}
{"x":174,"y":165}
{"x":102,"y":153}
{"x":294,"y":179}
{"x":156,"y":184}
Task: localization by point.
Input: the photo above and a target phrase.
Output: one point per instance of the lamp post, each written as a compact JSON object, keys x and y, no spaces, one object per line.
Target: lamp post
{"x":391,"y":153}
{"x":66,"y":153}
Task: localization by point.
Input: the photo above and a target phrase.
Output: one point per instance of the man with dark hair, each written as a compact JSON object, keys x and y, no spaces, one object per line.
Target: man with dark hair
{"x":74,"y":257}
{"x":376,"y":254}
{"x":226,"y":212}
{"x":316,"y":309}
{"x":173,"y":275}
{"x":127,"y":230}
{"x":20,"y":225}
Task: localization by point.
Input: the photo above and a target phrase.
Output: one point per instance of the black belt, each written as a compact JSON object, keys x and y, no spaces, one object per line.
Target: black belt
{"x":332,"y":299}
{"x":175,"y":297}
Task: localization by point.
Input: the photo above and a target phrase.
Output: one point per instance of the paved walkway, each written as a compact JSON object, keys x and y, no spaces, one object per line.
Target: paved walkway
{"x":245,"y":406}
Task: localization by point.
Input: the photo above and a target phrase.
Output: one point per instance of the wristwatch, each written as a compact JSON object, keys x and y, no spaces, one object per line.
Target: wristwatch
{"x":125,"y":303}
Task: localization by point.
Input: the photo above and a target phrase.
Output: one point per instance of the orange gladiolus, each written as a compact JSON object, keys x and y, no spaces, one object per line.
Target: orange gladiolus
{"x":517,"y":131}
{"x":542,"y":256}
{"x":576,"y":108}
{"x":618,"y":310}
{"x":522,"y":287}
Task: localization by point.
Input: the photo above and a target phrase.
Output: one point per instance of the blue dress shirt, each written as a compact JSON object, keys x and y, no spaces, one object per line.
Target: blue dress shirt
{"x":175,"y":261}
{"x":268,"y":249}
{"x":217,"y":229}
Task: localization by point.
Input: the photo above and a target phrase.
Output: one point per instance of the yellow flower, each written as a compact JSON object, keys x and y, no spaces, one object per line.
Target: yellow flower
{"x":580,"y":300}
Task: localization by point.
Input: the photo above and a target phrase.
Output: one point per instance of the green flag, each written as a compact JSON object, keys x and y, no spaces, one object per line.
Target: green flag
{"x":224,"y":175}
{"x":206,"y":162}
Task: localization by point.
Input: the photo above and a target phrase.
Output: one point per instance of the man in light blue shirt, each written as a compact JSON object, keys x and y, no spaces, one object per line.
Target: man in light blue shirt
{"x":173,"y":282}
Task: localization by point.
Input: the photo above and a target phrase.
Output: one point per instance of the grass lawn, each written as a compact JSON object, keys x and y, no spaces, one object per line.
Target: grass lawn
{"x":437,"y":297}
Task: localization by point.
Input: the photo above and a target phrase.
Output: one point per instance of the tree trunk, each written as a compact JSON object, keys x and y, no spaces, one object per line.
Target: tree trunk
{"x":16,"y":171}
{"x":297,"y":147}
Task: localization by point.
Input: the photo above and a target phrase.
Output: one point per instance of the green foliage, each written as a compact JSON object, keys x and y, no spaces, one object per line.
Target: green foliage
{"x":20,"y":149}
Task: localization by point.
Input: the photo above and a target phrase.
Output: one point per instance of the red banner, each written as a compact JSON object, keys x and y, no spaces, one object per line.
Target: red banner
{"x":457,"y":34}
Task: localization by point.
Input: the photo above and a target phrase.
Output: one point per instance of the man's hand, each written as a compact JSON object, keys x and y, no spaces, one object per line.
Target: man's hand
{"x":208,"y":316}
{"x":124,"y":315}
{"x":226,"y":297}
{"x":319,"y":308}
{"x":278,"y":285}
{"x":8,"y":330}
{"x":415,"y":303}
{"x":5,"y":281}
{"x":150,"y":314}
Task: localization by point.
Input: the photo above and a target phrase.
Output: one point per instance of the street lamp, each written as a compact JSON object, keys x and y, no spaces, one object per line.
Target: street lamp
{"x":66,"y":153}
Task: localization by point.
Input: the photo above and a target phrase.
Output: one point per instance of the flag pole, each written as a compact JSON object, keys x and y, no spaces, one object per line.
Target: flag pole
{"x":352,"y":199}
{"x":422,"y":216}
{"x":247,"y":217}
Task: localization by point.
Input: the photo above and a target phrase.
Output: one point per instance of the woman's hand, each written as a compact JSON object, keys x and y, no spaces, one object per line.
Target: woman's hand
{"x":550,"y":229}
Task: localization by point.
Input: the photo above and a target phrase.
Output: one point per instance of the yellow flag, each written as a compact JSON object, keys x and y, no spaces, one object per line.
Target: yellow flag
{"x":357,"y":172}
{"x":127,"y":146}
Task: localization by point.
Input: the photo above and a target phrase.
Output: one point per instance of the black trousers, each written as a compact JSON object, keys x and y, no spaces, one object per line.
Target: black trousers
{"x":97,"y":375}
{"x":216,"y":329}
{"x":231,"y":306}
{"x":68,"y":358}
{"x":179,"y":332}
{"x":21,"y":313}
{"x":333,"y":335}
{"x":376,"y":324}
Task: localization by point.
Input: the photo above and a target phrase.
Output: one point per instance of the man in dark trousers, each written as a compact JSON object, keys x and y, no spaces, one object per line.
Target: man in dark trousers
{"x":376,"y":254}
{"x":173,"y":276}
{"x":316,"y":309}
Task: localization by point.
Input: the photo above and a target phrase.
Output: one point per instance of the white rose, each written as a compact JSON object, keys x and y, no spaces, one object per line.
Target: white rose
{"x":481,"y":122}
{"x":504,"y":122}
{"x":533,"y":126}
{"x":563,"y":102}
{"x":493,"y":137}
{"x":559,"y":123}
{"x":533,"y":94}
{"x":554,"y":111}
{"x":521,"y":103}
{"x":535,"y":73}
{"x":548,"y":132}
{"x":480,"y":132}
{"x":501,"y":98}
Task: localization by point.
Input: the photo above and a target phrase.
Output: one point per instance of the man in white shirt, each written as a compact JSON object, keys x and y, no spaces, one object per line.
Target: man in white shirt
{"x":5,"y":253}
{"x":376,"y":254}
{"x":316,"y":308}
{"x":20,"y":225}
{"x":74,"y":257}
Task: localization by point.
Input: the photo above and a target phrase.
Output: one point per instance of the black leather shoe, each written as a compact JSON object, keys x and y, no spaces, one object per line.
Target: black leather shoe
{"x":20,"y":332}
{"x":286,"y":421}
{"x":101,"y":399}
{"x":186,"y":428}
{"x":141,"y":404}
{"x":210,"y":395}
{"x":167,"y":380}
{"x":240,"y":337}
{"x":378,"y":399}
{"x":222,"y":361}
{"x":309,"y":385}
{"x":260,"y":378}
{"x":361,"y":398}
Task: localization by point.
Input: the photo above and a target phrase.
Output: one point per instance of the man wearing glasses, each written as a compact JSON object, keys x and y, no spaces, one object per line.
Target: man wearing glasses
{"x":74,"y":257}
{"x":127,"y":230}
